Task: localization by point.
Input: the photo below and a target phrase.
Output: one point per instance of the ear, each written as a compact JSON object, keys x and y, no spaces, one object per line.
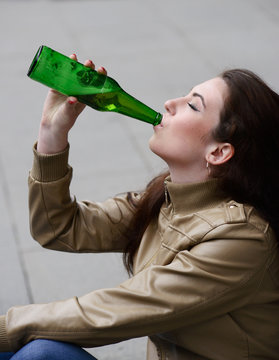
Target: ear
{"x":220,"y":153}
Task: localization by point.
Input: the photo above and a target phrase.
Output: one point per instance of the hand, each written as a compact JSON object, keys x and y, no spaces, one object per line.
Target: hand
{"x":59,"y":115}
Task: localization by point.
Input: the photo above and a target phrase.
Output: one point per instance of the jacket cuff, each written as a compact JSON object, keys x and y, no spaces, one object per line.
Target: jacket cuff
{"x":49,"y":167}
{"x":4,"y":344}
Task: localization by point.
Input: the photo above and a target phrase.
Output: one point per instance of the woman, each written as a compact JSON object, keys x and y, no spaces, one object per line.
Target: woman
{"x":200,"y":242}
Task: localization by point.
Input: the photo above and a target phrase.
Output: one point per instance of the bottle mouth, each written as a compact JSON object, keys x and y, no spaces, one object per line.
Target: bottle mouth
{"x":158,"y":119}
{"x":35,"y":60}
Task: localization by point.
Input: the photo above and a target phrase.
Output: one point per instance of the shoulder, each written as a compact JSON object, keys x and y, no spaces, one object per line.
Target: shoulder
{"x":241,"y":228}
{"x":232,"y":212}
{"x":120,"y":206}
{"x":228,"y":220}
{"x":236,"y":236}
{"x":234,"y":215}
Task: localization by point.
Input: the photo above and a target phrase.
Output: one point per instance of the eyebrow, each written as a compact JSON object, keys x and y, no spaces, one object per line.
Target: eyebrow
{"x":201,"y":97}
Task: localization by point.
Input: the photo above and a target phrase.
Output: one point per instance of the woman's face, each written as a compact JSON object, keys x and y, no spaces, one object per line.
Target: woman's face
{"x":183,"y":137}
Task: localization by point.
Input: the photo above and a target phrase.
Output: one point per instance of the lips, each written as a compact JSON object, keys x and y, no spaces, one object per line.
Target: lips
{"x":159,"y":126}
{"x":161,"y":123}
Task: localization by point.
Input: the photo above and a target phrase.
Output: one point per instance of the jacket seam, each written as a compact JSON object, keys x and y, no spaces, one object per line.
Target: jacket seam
{"x":170,"y":248}
{"x":241,"y":284}
{"x":215,"y":226}
{"x":162,"y":211}
{"x":245,"y":338}
{"x":192,"y":241}
{"x":55,"y":237}
{"x":262,"y":231}
{"x":249,"y":212}
{"x":179,"y":231}
{"x":48,"y":219}
{"x":206,"y":220}
{"x":247,"y":223}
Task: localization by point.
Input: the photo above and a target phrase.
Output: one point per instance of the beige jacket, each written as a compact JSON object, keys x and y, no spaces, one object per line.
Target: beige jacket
{"x":206,"y":283}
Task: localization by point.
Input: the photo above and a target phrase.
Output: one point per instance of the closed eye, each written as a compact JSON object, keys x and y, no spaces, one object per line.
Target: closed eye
{"x":193,"y":107}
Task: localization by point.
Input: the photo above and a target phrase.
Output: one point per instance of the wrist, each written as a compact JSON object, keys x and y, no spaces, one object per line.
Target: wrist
{"x":49,"y":167}
{"x":51,"y":141}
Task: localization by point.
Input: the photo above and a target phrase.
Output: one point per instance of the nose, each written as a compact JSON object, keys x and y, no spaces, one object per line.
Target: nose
{"x":170,"y":106}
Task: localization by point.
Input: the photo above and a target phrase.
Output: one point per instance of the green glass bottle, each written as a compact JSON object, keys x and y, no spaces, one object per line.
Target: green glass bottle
{"x":96,"y":90}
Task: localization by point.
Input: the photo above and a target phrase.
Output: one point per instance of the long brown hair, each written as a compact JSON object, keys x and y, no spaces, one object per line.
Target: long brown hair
{"x":250,"y":122}
{"x":146,"y":209}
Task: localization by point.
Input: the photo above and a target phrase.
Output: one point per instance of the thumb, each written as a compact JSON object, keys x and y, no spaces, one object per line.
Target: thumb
{"x":71,"y":100}
{"x":74,"y":106}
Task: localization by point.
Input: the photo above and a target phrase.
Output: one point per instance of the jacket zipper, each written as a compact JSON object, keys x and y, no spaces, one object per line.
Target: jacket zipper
{"x":166,"y":193}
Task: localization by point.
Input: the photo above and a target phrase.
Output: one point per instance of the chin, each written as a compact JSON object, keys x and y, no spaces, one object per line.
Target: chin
{"x":152,"y":145}
{"x":157,"y":150}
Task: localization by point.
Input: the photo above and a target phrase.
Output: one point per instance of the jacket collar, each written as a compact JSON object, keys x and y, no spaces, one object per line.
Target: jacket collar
{"x":187,"y":198}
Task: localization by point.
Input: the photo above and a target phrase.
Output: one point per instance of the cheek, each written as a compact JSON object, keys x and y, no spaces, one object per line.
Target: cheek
{"x":190,"y":132}
{"x":180,"y":138}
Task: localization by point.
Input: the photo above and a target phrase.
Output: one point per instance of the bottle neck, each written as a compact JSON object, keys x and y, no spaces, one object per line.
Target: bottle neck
{"x":130,"y":106}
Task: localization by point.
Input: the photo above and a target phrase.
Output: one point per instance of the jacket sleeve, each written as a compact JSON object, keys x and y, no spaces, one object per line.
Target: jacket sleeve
{"x":58,"y":221}
{"x":212,"y":279}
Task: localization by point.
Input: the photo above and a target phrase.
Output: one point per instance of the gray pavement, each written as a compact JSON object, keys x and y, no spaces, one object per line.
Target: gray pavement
{"x":156,"y":49}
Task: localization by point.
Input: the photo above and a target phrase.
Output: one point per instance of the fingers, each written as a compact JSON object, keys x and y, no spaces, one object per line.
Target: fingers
{"x":89,"y":63}
{"x":72,"y":100}
{"x":73,"y":57}
{"x":102,"y":70}
{"x":74,"y":107}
